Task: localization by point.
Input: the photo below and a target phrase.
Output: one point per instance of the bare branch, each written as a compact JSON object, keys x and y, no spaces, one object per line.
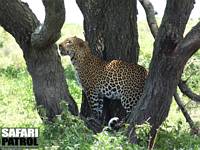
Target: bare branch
{"x":185,"y":113}
{"x":49,"y":32}
{"x":150,"y":14}
{"x":188,"y":92}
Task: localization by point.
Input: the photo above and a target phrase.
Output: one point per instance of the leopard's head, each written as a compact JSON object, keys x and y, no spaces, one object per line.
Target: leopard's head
{"x":75,"y":47}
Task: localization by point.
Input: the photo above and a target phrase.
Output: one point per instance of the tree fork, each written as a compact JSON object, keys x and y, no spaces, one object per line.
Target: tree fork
{"x":169,"y":58}
{"x":40,"y":52}
{"x":150,"y":14}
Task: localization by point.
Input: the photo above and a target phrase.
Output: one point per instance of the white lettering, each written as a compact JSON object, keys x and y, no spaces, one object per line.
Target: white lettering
{"x":18,"y":131}
{"x":36,"y":133}
{"x":4,"y":133}
{"x":11,"y":132}
{"x":30,"y":133}
{"x":23,"y":133}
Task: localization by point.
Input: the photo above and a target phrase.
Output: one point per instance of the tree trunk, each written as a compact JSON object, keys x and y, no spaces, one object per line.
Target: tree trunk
{"x":107,"y":24}
{"x":49,"y":84}
{"x":171,"y":52}
{"x":111,"y":30}
{"x":40,"y":52}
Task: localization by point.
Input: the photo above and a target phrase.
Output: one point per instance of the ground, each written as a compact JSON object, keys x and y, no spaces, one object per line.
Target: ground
{"x":18,"y":104}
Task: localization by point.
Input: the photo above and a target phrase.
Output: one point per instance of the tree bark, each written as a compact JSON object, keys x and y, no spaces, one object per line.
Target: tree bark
{"x":107,"y":24}
{"x":182,"y":84}
{"x":171,"y":52}
{"x":111,"y":31}
{"x":150,"y":13}
{"x":40,"y":52}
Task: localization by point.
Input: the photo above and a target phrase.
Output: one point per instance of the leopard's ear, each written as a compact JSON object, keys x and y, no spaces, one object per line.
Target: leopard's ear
{"x":82,"y":44}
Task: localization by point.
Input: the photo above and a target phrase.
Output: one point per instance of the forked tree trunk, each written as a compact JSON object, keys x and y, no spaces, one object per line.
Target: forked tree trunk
{"x":171,"y":52}
{"x":111,"y":30}
{"x":166,"y":65}
{"x":40,"y":52}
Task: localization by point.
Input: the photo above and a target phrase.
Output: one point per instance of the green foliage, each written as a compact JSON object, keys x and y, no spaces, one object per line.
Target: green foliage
{"x":67,"y":132}
{"x":74,"y":87}
{"x":192,"y":73}
{"x":16,"y":98}
{"x":142,"y":133}
{"x":176,"y":137}
{"x":113,"y":141}
{"x":11,"y":72}
{"x":146,"y":44}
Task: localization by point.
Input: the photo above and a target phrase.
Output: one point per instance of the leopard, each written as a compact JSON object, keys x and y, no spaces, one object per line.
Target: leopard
{"x":99,"y":79}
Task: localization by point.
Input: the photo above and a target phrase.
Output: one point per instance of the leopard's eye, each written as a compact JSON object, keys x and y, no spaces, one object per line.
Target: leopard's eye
{"x":68,"y":42}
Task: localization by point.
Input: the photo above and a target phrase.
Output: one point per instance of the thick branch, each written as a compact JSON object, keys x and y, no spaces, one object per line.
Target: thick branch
{"x":18,"y":19}
{"x":50,"y":30}
{"x":173,"y":25}
{"x":188,"y":92}
{"x":150,"y":14}
{"x":190,"y":44}
{"x":194,"y":41}
{"x":165,"y":71}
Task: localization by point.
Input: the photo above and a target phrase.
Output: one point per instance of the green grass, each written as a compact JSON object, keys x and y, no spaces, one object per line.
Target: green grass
{"x":18,"y":108}
{"x":16,"y":98}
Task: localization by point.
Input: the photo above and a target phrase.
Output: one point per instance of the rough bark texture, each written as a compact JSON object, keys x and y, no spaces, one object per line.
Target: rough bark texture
{"x":111,"y":30}
{"x":49,"y":32}
{"x":170,"y":54}
{"x":150,"y":13}
{"x":182,"y":84}
{"x":42,"y":59}
{"x":107,"y":24}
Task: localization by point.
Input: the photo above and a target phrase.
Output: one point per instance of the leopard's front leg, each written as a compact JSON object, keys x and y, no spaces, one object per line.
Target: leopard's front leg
{"x":96,"y":103}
